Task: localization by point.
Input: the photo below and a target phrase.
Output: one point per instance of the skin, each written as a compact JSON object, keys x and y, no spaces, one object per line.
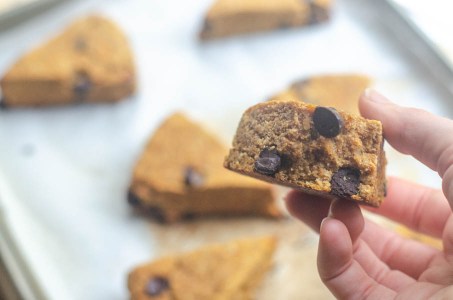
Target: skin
{"x":358,"y":259}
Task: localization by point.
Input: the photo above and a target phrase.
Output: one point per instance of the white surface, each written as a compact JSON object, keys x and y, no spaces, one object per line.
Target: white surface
{"x":6,"y":5}
{"x":69,"y":168}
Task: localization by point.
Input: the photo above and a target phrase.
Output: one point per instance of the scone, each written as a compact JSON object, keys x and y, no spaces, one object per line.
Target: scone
{"x":217,"y":272}
{"x":312,"y":148}
{"x":180,"y":175}
{"x":233,"y":17}
{"x":341,"y":91}
{"x":90,"y":61}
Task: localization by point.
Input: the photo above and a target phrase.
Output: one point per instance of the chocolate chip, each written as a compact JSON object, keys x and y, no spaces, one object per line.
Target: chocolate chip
{"x":193,"y":178}
{"x":82,"y":86}
{"x":3,"y":104}
{"x":269,"y":162}
{"x":188,"y":216}
{"x":317,"y":13}
{"x":80,"y":44}
{"x":327,"y":121}
{"x":157,"y":285}
{"x":345,"y":182}
{"x":132,"y":198}
{"x":385,"y":189}
{"x":207,"y":25}
{"x":157,"y":214}
{"x":284,"y":25}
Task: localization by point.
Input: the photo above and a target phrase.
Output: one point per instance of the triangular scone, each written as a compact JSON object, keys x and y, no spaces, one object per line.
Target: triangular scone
{"x":180,"y":175}
{"x":316,"y":149}
{"x":90,"y":61}
{"x":218,"y":272}
{"x":232,"y":17}
{"x":341,"y":91}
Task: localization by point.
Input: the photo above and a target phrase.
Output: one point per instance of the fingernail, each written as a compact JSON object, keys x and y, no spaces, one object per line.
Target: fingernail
{"x":322,"y":222}
{"x":373,"y":96}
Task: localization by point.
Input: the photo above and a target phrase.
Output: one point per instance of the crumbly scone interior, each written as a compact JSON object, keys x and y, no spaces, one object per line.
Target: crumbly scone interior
{"x":308,"y":159}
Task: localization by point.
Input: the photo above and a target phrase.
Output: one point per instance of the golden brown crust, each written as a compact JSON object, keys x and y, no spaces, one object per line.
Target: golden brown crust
{"x":337,"y":90}
{"x":233,"y":17}
{"x":180,"y":146}
{"x":90,"y":61}
{"x":309,"y":160}
{"x":220,"y":272}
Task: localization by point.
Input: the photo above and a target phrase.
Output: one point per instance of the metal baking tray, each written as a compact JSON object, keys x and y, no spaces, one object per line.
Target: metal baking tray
{"x":13,"y":12}
{"x":66,"y":231}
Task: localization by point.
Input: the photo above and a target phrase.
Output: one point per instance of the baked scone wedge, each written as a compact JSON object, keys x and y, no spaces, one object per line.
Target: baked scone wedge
{"x":227,"y":271}
{"x":341,"y":91}
{"x":180,"y":175}
{"x":234,"y":17}
{"x":312,"y":148}
{"x":90,"y":61}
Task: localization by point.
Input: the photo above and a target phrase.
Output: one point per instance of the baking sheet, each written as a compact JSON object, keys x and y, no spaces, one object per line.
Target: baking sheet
{"x":67,"y":169}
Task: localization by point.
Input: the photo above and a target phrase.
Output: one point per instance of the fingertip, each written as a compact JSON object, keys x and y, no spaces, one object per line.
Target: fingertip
{"x":335,"y":248}
{"x":369,"y":103}
{"x":350,"y":214}
{"x":307,"y":208}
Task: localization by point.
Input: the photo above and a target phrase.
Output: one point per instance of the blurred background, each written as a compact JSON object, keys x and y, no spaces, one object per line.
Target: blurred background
{"x":66,"y":231}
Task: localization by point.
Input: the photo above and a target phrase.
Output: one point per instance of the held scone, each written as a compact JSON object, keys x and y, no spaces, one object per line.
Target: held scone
{"x":335,"y":90}
{"x":234,"y":17}
{"x":180,"y":175}
{"x":227,"y":271}
{"x":90,"y":61}
{"x":312,"y":148}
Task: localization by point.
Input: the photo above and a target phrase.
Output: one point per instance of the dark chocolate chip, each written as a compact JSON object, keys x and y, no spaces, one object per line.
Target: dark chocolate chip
{"x":385,"y":189}
{"x":157,"y":214}
{"x":193,"y":178}
{"x":188,"y":216}
{"x":80,"y":44}
{"x":269,"y":162}
{"x":286,"y":161}
{"x":3,"y":104}
{"x":345,"y":182}
{"x":319,"y":154}
{"x":157,"y":285}
{"x":82,"y":86}
{"x":207,"y":26}
{"x":327,"y":121}
{"x":284,"y":25}
{"x":317,"y":13}
{"x":132,"y":198}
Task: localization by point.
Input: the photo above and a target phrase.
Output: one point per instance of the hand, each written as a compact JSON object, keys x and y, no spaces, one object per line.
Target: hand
{"x":358,"y":259}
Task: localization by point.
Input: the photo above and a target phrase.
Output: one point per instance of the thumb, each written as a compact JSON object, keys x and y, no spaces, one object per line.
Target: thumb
{"x":426,"y":137}
{"x":338,"y":269}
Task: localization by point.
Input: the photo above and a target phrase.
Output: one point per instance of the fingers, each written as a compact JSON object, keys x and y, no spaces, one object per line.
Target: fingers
{"x":344,"y":276}
{"x":401,"y":254}
{"x":416,"y":132}
{"x":309,"y":209}
{"x":351,"y":216}
{"x":411,"y":131}
{"x":410,"y":257}
{"x":419,"y":208}
{"x":447,"y":238}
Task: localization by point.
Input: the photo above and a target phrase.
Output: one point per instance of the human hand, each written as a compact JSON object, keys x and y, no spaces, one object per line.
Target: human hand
{"x":358,"y":259}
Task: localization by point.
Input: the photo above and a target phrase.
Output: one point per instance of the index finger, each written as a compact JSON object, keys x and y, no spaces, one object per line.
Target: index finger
{"x":412,"y":131}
